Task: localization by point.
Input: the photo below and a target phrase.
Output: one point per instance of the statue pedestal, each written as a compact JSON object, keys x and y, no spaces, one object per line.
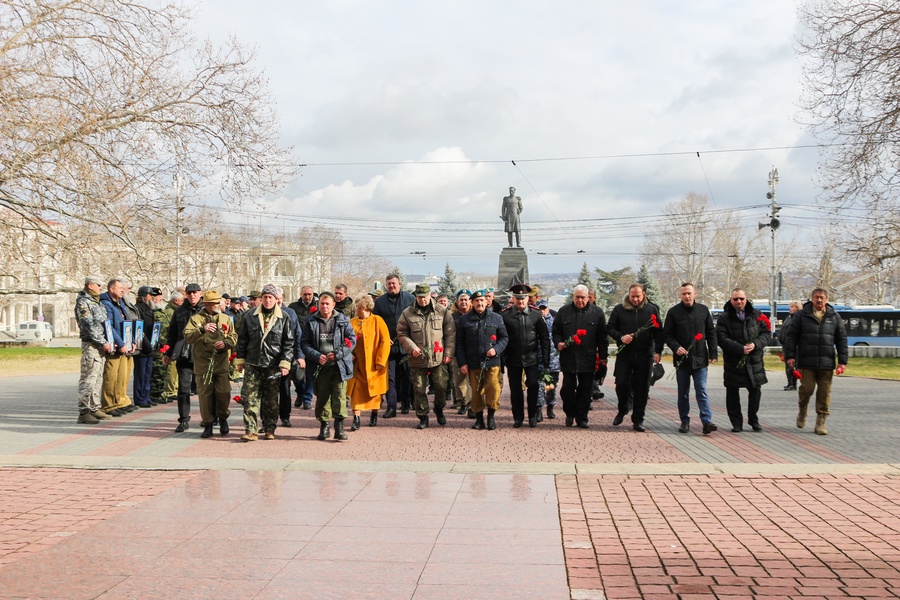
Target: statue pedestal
{"x":513,"y":268}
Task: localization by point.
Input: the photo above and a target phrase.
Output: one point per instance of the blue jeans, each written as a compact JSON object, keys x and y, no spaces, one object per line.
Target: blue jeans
{"x":683,"y":376}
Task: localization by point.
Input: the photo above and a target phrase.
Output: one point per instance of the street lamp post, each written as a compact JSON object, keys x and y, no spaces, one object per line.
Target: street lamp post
{"x":179,"y":230}
{"x":773,"y":224}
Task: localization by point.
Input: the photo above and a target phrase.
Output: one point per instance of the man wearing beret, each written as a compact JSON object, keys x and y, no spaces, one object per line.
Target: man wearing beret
{"x":212,"y":335}
{"x":182,"y":355}
{"x":480,"y":339}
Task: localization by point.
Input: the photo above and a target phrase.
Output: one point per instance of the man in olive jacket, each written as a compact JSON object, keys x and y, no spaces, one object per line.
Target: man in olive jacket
{"x":528,"y":354}
{"x":212,"y":335}
{"x":579,"y":333}
{"x":691,"y":335}
{"x":636,"y":353}
{"x":427,"y":333}
{"x":743,"y":333}
{"x":814,"y":334}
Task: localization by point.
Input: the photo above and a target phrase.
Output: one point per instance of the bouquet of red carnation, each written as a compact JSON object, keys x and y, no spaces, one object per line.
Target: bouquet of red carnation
{"x":576,"y":338}
{"x":653,"y":323}
{"x":438,"y":347}
{"x":765,"y":321}
{"x":797,"y":374}
{"x":696,"y":339}
{"x":232,"y":357}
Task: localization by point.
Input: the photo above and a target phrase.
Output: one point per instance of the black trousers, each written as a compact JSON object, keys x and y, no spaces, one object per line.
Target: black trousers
{"x":284,"y":395}
{"x":633,"y":386}
{"x":517,"y":395}
{"x":733,"y":405}
{"x":399,"y":384}
{"x":576,"y":394}
{"x":185,"y":377}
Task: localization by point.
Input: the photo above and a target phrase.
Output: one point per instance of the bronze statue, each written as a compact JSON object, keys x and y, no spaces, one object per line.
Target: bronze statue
{"x":509,"y":212}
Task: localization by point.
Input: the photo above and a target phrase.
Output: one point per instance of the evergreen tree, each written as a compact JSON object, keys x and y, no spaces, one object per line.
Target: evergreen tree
{"x":448,"y":284}
{"x":651,"y":288}
{"x":584,"y":278}
{"x":612,"y":285}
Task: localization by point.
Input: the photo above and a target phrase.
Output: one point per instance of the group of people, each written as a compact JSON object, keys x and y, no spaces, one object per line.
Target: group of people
{"x":396,"y":347}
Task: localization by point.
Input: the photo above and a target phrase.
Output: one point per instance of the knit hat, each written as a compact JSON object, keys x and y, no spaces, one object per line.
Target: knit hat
{"x":270,"y":290}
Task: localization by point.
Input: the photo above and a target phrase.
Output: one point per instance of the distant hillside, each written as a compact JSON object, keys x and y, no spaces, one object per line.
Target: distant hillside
{"x":554,"y":283}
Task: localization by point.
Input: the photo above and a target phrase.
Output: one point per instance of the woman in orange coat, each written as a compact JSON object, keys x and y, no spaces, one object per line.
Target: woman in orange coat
{"x":370,"y":358}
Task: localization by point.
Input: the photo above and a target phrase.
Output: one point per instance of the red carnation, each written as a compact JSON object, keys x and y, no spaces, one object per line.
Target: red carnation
{"x":225,"y":328}
{"x":698,"y":337}
{"x":164,"y":349}
{"x":232,"y":357}
{"x":312,"y":309}
{"x":581,"y":332}
{"x":438,"y":347}
{"x":781,"y":356}
{"x":348,"y":343}
{"x":654,"y":321}
{"x":765,"y":321}
{"x":577,"y":339}
{"x":797,"y":374}
{"x":493,"y":338}
{"x":237,"y":399}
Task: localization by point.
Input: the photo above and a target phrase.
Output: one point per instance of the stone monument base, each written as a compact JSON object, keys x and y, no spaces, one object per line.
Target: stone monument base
{"x":513,"y":268}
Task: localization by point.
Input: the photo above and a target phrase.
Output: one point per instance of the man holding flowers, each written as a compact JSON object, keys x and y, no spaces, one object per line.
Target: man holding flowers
{"x":480,"y":339}
{"x":212,"y":336}
{"x":690,"y":333}
{"x":636,"y":327}
{"x":579,"y":333}
{"x":743,"y":332}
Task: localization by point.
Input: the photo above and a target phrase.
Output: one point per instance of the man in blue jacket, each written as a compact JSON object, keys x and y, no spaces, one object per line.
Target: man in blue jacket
{"x":480,"y":339}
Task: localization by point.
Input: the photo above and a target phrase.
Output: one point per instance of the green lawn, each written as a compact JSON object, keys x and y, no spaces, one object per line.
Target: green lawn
{"x":38,"y":361}
{"x":877,"y":368}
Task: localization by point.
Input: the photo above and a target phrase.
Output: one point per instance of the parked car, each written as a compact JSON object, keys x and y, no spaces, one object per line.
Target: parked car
{"x":34,"y":331}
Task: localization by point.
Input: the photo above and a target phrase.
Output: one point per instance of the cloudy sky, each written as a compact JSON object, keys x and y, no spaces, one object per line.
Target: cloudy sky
{"x":408,"y":116}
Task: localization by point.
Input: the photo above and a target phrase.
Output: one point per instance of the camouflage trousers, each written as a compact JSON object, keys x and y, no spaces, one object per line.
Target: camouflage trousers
{"x":419,"y":377}
{"x":260,"y":394}
{"x":90,"y":383}
{"x":158,"y":379}
{"x":461,"y":384}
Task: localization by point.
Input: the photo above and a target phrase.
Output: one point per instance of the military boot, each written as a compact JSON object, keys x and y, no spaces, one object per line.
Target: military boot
{"x":801,"y":416}
{"x":339,"y":430}
{"x":820,"y":425}
{"x":479,"y":421}
{"x":491,"y":424}
{"x":324,"y":430}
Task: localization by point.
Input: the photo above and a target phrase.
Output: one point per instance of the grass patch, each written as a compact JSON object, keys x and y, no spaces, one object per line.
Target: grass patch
{"x":879,"y":368}
{"x":38,"y":361}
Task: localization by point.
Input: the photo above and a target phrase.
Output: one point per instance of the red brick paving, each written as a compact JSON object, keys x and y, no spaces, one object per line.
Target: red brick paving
{"x":720,"y":536}
{"x":40,"y":507}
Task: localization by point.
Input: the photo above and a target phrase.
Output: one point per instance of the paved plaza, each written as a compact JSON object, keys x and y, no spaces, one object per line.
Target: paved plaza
{"x":130,"y":509}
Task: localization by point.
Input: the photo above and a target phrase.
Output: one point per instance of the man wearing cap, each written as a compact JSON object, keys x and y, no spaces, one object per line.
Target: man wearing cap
{"x":461,"y":390}
{"x":164,"y":317}
{"x":254,"y":299}
{"x":480,"y":339}
{"x":389,"y":307}
{"x":327,"y":343}
{"x":579,"y":333}
{"x":427,"y":333}
{"x":636,"y":352}
{"x":180,"y":352}
{"x":143,"y":359}
{"x":265,"y":350}
{"x":284,"y":388}
{"x":158,"y":374}
{"x":212,"y":335}
{"x":91,"y":315}
{"x":528,"y":354}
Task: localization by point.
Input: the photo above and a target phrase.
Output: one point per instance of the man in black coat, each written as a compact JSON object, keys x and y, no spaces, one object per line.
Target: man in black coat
{"x":636,"y":353}
{"x":389,"y":307}
{"x":528,"y":353}
{"x":184,"y":360}
{"x":690,"y":334}
{"x":743,"y":333}
{"x":814,"y":334}
{"x":579,"y":333}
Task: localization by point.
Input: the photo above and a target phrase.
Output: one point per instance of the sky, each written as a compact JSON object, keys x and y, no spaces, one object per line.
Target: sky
{"x":413,"y":118}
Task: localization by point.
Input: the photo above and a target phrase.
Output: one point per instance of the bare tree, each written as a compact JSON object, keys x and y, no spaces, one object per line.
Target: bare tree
{"x":104,"y":101}
{"x":852,"y":96}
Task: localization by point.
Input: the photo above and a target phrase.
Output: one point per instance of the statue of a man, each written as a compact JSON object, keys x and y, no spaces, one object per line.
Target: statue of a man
{"x":509,"y":212}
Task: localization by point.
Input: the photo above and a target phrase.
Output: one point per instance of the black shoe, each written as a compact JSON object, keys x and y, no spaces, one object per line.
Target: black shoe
{"x":182,"y":427}
{"x":550,"y":413}
{"x":339,"y":430}
{"x":154,"y":403}
{"x":114,"y":413}
{"x":286,"y":422}
{"x":491,"y":424}
{"x":570,"y":421}
{"x":423,"y":422}
{"x":517,"y":423}
{"x":307,"y":405}
{"x":441,"y":419}
{"x":324,"y":431}
{"x":462,"y":410}
{"x":390,"y":413}
{"x":532,"y":422}
{"x":755,"y":426}
{"x":373,"y":420}
{"x":618,"y":420}
{"x":470,"y":413}
{"x":207,"y":431}
{"x":582,"y":425}
{"x":128,"y":409}
{"x":355,"y":425}
{"x":639,"y":427}
{"x":298,"y":403}
{"x":685,"y":426}
{"x":404,"y":408}
{"x":223,"y":427}
{"x":733,"y":429}
{"x":540,"y":415}
{"x":479,"y":421}
{"x":708,"y":428}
